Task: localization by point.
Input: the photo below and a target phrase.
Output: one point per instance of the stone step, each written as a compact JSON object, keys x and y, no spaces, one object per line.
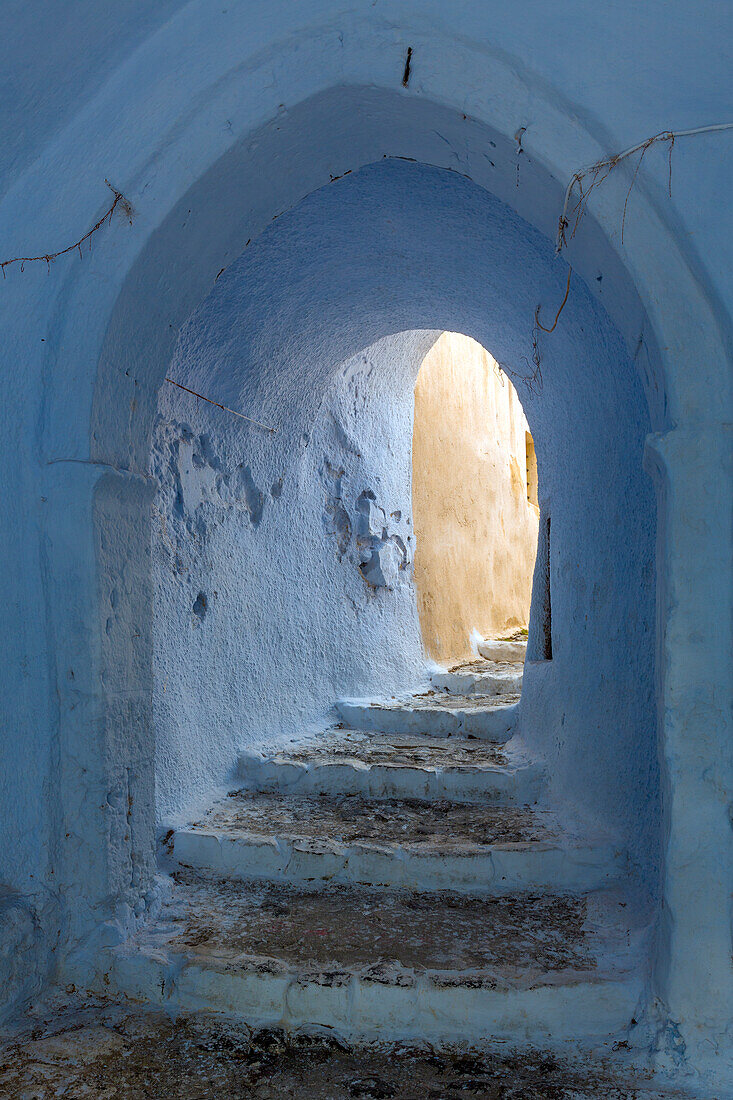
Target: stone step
{"x":498,"y":650}
{"x":389,"y":965}
{"x":480,"y":678}
{"x":382,"y":765}
{"x":121,"y":1051}
{"x":463,"y":847}
{"x":437,"y":714}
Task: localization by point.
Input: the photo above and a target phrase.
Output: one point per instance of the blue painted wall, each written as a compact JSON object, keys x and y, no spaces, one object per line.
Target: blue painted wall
{"x":285,"y":337}
{"x":213,"y":123}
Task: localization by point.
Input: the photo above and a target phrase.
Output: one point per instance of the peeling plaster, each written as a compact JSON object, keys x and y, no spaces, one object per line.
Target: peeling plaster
{"x":112,"y":325}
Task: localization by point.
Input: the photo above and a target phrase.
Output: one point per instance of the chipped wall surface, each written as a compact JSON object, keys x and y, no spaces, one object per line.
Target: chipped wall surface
{"x":216,"y":125}
{"x":294,"y":618}
{"x":476,"y":531}
{"x":282,"y":562}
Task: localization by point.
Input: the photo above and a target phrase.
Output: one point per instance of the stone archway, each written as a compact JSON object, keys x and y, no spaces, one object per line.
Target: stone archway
{"x":302,"y":299}
{"x":683,"y":977}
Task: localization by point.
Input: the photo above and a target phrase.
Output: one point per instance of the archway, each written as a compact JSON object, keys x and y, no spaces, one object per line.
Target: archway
{"x":297,"y":308}
{"x":475,"y":502}
{"x":131,"y":342}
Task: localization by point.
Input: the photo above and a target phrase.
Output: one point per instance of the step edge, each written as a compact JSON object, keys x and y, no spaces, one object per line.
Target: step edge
{"x":393,"y":975}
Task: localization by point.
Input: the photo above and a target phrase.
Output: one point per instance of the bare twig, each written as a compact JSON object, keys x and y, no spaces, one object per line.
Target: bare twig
{"x":49,"y":257}
{"x":597,"y":173}
{"x":537,"y":321}
{"x":533,"y":379}
{"x":224,"y":407}
{"x":602,"y":168}
{"x":633,"y":181}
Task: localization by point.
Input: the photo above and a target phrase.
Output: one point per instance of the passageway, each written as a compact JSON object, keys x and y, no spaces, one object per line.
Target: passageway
{"x":234,"y":704}
{"x":474,"y":496}
{"x":301,"y":542}
{"x":306,"y":762}
{"x":476,"y":518}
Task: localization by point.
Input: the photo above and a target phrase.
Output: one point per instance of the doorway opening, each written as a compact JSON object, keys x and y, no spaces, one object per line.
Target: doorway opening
{"x":476,"y":516}
{"x":272,"y":618}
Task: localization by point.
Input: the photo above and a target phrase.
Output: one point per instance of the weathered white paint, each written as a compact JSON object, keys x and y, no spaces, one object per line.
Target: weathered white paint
{"x":497,"y":680}
{"x":439,"y":768}
{"x":268,"y":534}
{"x":492,"y":720}
{"x":77,"y":749}
{"x":562,"y":865}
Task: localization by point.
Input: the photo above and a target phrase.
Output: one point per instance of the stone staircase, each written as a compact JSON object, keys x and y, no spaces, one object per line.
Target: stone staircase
{"x":396,"y":878}
{"x":498,"y":672}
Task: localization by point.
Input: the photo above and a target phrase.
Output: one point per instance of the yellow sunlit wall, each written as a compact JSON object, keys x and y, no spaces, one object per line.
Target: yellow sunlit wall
{"x":475,"y":528}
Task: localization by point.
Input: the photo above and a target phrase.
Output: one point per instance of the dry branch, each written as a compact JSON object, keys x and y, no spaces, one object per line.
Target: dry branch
{"x":49,"y":257}
{"x":598,"y":173}
{"x":224,"y":407}
{"x":552,"y":328}
{"x":602,"y":168}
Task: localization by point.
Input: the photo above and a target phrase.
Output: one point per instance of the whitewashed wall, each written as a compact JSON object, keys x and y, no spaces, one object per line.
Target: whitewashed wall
{"x":213,"y":124}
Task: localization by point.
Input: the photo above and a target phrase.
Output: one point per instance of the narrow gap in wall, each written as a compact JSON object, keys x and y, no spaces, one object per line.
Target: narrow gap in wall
{"x":539,"y":645}
{"x":475,"y":511}
{"x":546,"y":619}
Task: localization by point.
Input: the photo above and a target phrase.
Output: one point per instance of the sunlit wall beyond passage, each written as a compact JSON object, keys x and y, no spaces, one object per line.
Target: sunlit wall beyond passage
{"x":475,"y":520}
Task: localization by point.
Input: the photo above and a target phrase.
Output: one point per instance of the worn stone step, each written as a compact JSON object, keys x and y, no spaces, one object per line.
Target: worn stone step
{"x":502,"y":650}
{"x":480,"y":678}
{"x":382,"y":765}
{"x":463,"y":847}
{"x":389,"y":965}
{"x":437,"y":714}
{"x":122,"y":1051}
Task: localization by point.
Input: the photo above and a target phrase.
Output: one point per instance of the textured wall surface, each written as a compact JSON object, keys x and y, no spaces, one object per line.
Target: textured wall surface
{"x":216,"y":125}
{"x":279,"y":640}
{"x":476,"y":531}
{"x":263,"y":614}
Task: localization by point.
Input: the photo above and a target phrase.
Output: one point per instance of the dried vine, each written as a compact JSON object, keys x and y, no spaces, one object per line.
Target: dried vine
{"x":538,"y":323}
{"x":234,"y":412}
{"x":49,"y":257}
{"x":600,"y":171}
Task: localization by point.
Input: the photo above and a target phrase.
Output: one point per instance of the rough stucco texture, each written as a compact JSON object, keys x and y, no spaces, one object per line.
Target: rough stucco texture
{"x":266,"y":607}
{"x":476,"y":532}
{"x":212,"y":126}
{"x":265,"y":526}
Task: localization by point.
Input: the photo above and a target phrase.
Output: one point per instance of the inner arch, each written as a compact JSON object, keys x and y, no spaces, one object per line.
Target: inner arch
{"x":318,"y":329}
{"x":474,"y":501}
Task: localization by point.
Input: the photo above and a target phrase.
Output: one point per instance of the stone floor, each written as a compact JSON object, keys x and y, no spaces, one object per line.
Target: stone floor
{"x":344,"y":929}
{"x":396,"y":749}
{"x":478,"y":665}
{"x":112,"y":1052}
{"x":440,"y":824}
